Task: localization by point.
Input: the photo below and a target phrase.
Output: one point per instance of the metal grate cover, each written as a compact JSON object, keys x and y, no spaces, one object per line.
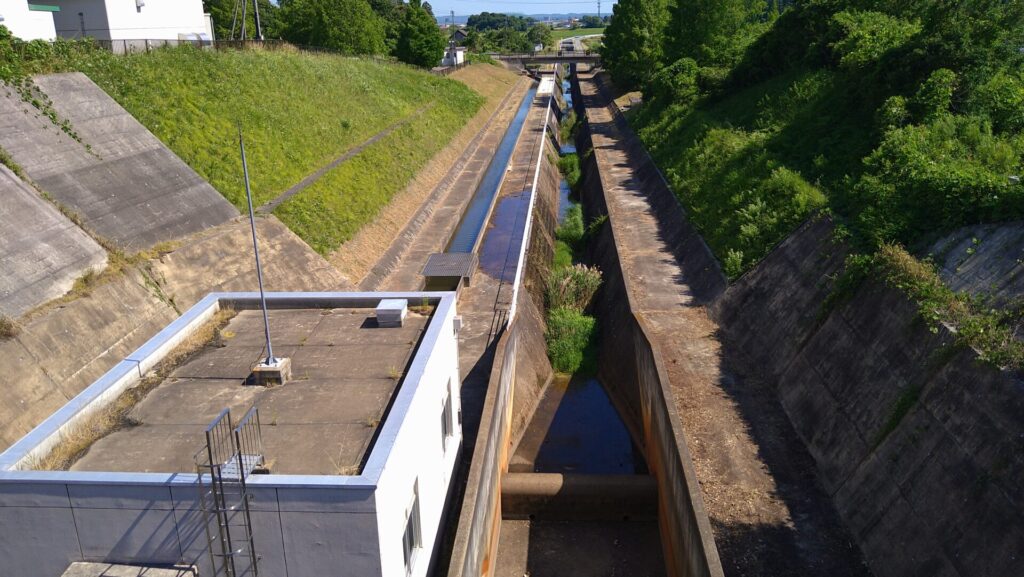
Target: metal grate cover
{"x":451,"y":264}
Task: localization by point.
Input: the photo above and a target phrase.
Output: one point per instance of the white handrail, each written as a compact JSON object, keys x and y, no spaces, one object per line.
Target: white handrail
{"x":529,"y":218}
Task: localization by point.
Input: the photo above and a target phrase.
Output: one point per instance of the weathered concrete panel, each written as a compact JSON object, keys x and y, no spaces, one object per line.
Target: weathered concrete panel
{"x":916,"y":439}
{"x":984,"y":260}
{"x":127,"y":186}
{"x":41,"y":251}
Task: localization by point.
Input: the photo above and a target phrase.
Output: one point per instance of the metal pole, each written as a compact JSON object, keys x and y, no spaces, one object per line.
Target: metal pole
{"x":256,"y":13}
{"x":245,"y":24}
{"x":270,"y":360}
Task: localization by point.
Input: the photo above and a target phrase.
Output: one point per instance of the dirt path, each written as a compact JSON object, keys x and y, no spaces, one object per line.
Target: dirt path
{"x":769,"y":513}
{"x":357,"y":257}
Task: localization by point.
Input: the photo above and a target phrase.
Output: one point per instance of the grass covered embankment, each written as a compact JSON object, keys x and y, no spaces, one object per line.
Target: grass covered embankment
{"x":299,"y":112}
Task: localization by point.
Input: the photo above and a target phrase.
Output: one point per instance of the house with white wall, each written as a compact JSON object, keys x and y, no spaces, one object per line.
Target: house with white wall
{"x":29,"y":21}
{"x":131,"y":19}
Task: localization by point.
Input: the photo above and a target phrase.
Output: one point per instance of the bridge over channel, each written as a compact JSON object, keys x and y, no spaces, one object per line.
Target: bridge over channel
{"x":559,"y":57}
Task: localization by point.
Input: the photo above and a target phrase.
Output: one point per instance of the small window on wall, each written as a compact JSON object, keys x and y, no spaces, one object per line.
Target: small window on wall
{"x":411,"y":541}
{"x":447,"y":428}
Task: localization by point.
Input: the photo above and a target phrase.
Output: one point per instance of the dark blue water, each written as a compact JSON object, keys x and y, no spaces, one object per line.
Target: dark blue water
{"x":587,"y":434}
{"x":472,"y":224}
{"x":499,"y":252}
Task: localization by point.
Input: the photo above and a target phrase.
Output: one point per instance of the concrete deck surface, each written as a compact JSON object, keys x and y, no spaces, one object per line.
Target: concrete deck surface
{"x":344,"y":369}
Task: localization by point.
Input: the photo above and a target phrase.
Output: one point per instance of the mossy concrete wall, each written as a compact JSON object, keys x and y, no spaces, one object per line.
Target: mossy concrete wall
{"x":916,"y":440}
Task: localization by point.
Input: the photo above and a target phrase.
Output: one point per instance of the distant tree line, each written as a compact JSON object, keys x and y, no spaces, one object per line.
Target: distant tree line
{"x":407,"y":31}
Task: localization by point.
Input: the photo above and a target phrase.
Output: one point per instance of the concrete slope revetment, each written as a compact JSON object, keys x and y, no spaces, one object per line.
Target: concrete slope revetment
{"x":41,"y":251}
{"x":126,"y":185}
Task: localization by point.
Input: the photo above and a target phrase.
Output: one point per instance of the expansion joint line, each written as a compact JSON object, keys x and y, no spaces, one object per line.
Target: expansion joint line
{"x":348,"y":154}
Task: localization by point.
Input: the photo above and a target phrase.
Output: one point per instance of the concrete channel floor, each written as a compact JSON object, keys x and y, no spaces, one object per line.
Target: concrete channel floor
{"x":579,"y":549}
{"x":769,"y":514}
{"x":345,"y":370}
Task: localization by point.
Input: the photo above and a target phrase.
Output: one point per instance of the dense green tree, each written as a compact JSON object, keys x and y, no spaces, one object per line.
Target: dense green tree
{"x":495,"y":21}
{"x":349,"y":26}
{"x":420,"y":41}
{"x":633,"y":42}
{"x":541,"y":34}
{"x":592,"y":21}
{"x":705,"y":29}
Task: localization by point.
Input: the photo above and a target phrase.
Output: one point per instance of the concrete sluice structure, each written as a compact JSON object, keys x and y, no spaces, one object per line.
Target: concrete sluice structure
{"x":351,"y":459}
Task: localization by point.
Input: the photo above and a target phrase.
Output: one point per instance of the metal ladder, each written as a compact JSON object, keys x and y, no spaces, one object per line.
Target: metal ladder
{"x":223,"y":466}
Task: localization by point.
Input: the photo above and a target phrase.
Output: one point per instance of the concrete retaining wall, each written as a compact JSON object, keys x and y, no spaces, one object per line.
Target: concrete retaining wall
{"x":127,"y":186}
{"x":916,"y":441}
{"x":635,"y":376}
{"x":41,"y":251}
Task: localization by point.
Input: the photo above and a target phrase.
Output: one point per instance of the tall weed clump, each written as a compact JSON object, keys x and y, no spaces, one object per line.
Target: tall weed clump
{"x":572,"y":287}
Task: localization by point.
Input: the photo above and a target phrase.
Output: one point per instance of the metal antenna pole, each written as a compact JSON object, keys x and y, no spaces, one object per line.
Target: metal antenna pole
{"x":245,"y":24}
{"x":256,"y":13}
{"x":270,"y":360}
{"x":234,"y":20}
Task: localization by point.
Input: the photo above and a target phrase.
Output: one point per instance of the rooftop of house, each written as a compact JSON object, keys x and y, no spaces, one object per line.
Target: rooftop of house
{"x":345,"y":372}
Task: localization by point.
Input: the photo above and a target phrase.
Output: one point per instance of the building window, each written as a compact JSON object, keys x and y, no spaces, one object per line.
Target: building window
{"x":447,"y":428}
{"x":411,"y":541}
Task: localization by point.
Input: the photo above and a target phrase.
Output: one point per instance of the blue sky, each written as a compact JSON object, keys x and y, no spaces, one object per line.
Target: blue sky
{"x":465,"y":7}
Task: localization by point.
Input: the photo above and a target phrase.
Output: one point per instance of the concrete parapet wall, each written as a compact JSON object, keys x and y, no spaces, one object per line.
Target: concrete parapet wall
{"x":915,"y":439}
{"x":635,"y":374}
{"x":127,"y":186}
{"x":41,"y":251}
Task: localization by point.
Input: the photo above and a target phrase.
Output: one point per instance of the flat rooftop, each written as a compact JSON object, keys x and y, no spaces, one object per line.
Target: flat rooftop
{"x":345,"y":371}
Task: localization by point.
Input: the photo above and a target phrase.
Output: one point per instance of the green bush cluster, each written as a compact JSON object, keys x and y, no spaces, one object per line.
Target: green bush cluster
{"x":570,"y":167}
{"x":570,"y":338}
{"x":904,"y":120}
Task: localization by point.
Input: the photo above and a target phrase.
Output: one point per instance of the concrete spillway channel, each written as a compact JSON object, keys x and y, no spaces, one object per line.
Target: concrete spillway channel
{"x":557,"y":484}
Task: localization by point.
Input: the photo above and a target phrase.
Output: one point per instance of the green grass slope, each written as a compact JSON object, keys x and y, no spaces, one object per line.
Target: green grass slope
{"x":299,"y":111}
{"x":903,"y":127}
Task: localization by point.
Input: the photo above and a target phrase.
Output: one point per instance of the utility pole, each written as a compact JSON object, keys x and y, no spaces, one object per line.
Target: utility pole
{"x":599,"y":10}
{"x":256,"y":13}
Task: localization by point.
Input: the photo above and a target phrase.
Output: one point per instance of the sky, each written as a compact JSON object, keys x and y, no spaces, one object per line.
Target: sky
{"x":466,"y":7}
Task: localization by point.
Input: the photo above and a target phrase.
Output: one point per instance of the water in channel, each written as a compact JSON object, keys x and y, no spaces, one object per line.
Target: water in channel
{"x":473,"y":220}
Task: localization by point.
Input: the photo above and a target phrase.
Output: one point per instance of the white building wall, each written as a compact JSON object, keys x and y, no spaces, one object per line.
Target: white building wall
{"x":126,"y":20}
{"x":27,"y":24}
{"x":418,"y":459}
